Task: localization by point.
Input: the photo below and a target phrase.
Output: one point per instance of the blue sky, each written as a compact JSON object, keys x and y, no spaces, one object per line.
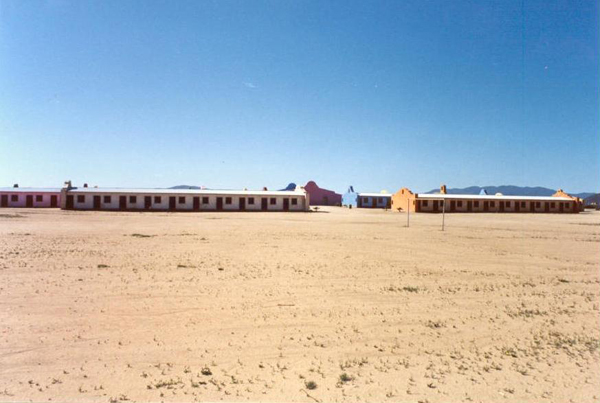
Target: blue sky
{"x":233,"y":94}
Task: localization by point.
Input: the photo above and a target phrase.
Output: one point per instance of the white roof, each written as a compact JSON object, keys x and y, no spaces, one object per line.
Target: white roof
{"x":375,"y":194}
{"x":439,"y":196}
{"x":190,"y":191}
{"x":29,"y":190}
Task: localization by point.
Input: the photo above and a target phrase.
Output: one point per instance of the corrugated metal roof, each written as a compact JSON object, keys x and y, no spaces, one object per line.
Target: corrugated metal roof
{"x":29,"y":190}
{"x":190,"y":191}
{"x":440,"y":196}
{"x":375,"y":194}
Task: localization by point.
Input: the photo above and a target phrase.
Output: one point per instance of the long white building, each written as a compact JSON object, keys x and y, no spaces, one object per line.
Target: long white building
{"x":116,"y":199}
{"x":29,"y":197}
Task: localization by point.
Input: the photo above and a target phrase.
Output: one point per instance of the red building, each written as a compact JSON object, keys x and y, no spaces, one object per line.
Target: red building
{"x":322,"y":197}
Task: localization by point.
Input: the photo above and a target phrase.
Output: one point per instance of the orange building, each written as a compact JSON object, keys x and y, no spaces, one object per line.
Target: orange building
{"x":560,"y":202}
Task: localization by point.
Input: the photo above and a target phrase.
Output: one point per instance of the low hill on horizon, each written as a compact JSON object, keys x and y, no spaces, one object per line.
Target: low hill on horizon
{"x":185,"y":187}
{"x":510,"y":190}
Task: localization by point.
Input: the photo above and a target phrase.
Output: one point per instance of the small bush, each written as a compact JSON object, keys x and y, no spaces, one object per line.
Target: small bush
{"x":311,"y":385}
{"x":346,"y":378}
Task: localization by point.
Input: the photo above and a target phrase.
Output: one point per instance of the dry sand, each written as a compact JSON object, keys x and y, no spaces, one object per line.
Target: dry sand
{"x":100,"y":306}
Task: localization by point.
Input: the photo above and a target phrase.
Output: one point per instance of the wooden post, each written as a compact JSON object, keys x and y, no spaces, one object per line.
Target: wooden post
{"x":443,"y":214}
{"x":408,"y":213}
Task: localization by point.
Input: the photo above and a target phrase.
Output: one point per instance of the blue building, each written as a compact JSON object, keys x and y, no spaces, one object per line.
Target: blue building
{"x":350,"y":198}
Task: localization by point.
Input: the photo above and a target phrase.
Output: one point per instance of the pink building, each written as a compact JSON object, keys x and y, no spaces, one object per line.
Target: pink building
{"x":322,"y":197}
{"x":29,"y":197}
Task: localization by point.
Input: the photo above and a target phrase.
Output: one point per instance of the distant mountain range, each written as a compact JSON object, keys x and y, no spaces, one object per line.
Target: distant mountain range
{"x":593,"y":199}
{"x":510,"y":190}
{"x":185,"y":187}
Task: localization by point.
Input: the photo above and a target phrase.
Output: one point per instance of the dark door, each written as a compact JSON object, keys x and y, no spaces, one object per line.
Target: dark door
{"x":96,"y":202}
{"x":435,"y":205}
{"x":286,"y":204}
{"x":122,"y":202}
{"x":219,"y":204}
{"x":452,"y":205}
{"x":69,"y":202}
{"x":172,"y":203}
{"x":560,"y":207}
{"x":29,"y":201}
{"x":532,"y":207}
{"x":147,"y":202}
{"x":4,"y":201}
{"x":469,"y":206}
{"x":501,"y":206}
{"x":546,"y":207}
{"x":264,"y":204}
{"x":242,"y":203}
{"x":196,"y":203}
{"x":53,"y":201}
{"x":486,"y":206}
{"x":517,"y":206}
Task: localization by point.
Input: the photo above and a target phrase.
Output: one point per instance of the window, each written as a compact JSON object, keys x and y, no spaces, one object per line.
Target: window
{"x":81,"y":199}
{"x":425,"y":203}
{"x":250,"y":200}
{"x":181,"y":199}
{"x":132,"y":199}
{"x":39,"y":198}
{"x":441,"y":203}
{"x":492,"y":204}
{"x":476,"y":204}
{"x":273,"y":200}
{"x":522,"y":204}
{"x":294,"y":202}
{"x":157,"y":199}
{"x":107,"y":199}
{"x":459,"y":203}
{"x":205,"y":200}
{"x":538,"y":204}
{"x":228,"y":200}
{"x":380,"y":200}
{"x":507,"y":204}
{"x":14,"y":198}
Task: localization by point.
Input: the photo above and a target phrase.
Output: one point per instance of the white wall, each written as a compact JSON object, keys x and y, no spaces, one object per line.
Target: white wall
{"x":22,"y":199}
{"x":188,"y":205}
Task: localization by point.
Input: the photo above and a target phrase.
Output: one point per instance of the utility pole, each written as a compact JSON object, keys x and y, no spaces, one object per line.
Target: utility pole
{"x":443,"y":213}
{"x":408,"y":213}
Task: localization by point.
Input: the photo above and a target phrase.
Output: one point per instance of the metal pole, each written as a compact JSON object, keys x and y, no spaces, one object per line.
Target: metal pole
{"x":443,"y":213}
{"x":408,"y":212}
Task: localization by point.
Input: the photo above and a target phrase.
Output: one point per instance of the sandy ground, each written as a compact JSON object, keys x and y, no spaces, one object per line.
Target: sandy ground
{"x":340,"y":305}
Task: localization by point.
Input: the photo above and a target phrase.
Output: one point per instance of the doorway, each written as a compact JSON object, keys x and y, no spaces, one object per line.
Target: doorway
{"x":532,"y":207}
{"x":96,"y":202}
{"x":53,"y":201}
{"x":242,"y":203}
{"x":435,"y":206}
{"x":286,"y":204}
{"x":517,"y":206}
{"x":196,"y":206}
{"x":469,"y":206}
{"x":501,"y":207}
{"x":4,"y":201}
{"x":122,"y":202}
{"x":69,"y":205}
{"x":560,"y":207}
{"x":264,"y":204}
{"x":219,"y":204}
{"x":29,"y":201}
{"x":147,"y":202}
{"x":172,"y":203}
{"x":486,"y":206}
{"x":452,"y":205}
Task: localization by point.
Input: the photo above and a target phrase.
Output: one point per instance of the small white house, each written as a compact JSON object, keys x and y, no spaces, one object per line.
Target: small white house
{"x":29,"y":197}
{"x":117,"y":199}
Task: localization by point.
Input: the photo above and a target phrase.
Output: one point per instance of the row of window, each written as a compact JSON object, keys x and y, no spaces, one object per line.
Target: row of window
{"x":15,"y":198}
{"x":492,"y":204}
{"x":378,"y":199}
{"x":182,"y":200}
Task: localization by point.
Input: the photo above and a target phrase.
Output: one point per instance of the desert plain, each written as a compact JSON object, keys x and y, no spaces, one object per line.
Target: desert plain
{"x":331,"y":306}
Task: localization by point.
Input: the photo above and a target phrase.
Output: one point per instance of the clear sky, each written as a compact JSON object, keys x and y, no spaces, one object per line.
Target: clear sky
{"x":232,"y":94}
